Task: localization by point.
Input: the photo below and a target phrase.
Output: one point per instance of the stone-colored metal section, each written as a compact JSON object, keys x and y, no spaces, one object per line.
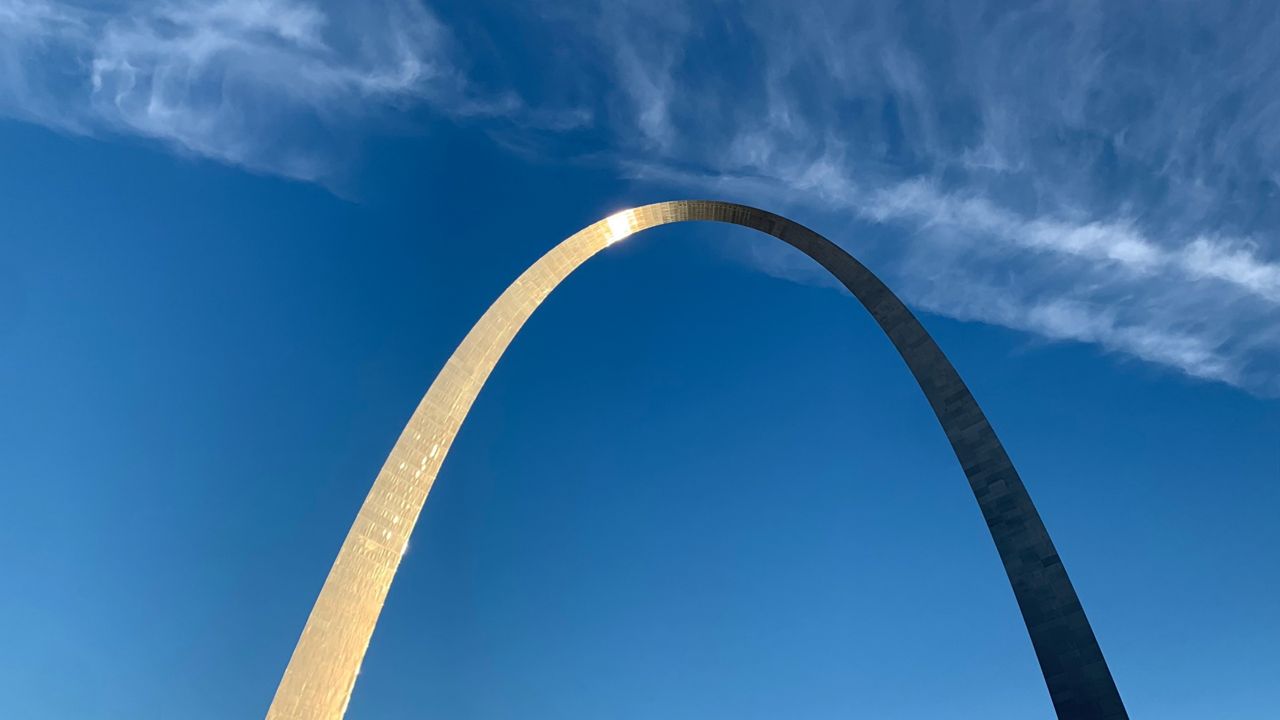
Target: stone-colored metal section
{"x":318,"y":681}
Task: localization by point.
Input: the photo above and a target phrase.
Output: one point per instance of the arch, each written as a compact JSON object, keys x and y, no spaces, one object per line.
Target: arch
{"x":318,"y":681}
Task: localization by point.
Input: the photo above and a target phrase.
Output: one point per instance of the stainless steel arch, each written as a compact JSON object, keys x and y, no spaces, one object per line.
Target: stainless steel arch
{"x":318,"y":681}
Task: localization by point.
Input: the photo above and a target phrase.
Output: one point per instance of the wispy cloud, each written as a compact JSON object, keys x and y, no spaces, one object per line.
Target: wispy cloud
{"x":1101,"y":282}
{"x":1046,"y":168}
{"x":1208,"y":307}
{"x":1092,"y":171}
{"x":645,"y":42}
{"x":270,"y":85}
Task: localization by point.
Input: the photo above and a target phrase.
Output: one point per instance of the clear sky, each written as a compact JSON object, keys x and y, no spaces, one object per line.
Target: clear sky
{"x":239,"y":238}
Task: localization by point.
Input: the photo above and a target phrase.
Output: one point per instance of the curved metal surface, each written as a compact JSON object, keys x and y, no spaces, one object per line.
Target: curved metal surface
{"x":318,"y":681}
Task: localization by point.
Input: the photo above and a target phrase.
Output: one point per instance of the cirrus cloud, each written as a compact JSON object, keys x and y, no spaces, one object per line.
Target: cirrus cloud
{"x":274,"y":86}
{"x":1081,"y":171}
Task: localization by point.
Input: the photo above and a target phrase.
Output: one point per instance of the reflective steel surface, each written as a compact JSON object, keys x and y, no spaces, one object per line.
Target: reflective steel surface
{"x":318,"y":681}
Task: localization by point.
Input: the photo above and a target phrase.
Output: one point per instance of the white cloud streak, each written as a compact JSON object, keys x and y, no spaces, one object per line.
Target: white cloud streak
{"x":1041,"y":168}
{"x":1084,"y":171}
{"x":1207,"y":308}
{"x":271,"y":85}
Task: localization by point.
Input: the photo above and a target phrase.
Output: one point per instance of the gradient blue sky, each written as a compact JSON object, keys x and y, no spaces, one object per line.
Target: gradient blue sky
{"x":238,"y":239}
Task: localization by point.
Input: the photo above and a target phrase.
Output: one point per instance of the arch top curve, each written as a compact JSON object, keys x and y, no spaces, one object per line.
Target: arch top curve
{"x":319,"y":679}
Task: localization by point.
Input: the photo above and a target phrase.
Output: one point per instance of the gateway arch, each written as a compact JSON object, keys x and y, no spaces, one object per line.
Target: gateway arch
{"x":318,"y":681}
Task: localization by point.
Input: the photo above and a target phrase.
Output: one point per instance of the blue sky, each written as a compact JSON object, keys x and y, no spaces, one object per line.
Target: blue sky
{"x":238,"y":239}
